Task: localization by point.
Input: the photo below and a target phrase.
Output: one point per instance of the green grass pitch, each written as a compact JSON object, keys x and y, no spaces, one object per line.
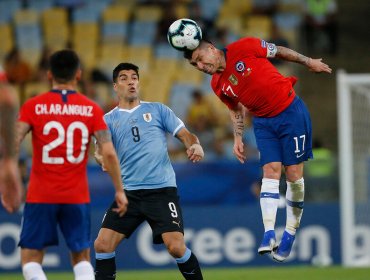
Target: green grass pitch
{"x":262,"y":273}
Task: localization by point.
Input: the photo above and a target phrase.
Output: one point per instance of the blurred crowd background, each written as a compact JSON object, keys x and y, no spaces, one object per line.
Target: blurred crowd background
{"x":107,"y":32}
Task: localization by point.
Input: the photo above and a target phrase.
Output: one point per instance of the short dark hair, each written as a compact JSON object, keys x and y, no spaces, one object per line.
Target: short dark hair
{"x":189,"y":53}
{"x":64,"y":65}
{"x":124,"y":66}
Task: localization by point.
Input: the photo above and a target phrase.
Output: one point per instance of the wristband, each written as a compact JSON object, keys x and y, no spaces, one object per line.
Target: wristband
{"x":198,"y":150}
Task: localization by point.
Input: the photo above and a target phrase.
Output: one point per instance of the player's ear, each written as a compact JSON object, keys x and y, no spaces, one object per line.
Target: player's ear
{"x":78,"y":74}
{"x":211,"y":47}
{"x":49,"y":75}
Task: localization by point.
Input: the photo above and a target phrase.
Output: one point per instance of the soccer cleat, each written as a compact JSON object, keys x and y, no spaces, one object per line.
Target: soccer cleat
{"x":284,"y":248}
{"x":268,"y":243}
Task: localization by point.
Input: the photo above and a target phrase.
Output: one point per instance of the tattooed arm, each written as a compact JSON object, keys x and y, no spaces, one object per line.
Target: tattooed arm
{"x":314,"y":65}
{"x":106,"y":155}
{"x":10,"y":181}
{"x":237,"y":118}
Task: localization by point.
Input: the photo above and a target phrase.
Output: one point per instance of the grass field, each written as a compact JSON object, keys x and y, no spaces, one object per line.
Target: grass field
{"x":263,"y":273}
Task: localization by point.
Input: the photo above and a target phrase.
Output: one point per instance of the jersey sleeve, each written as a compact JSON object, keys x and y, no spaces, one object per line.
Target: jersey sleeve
{"x":26,"y":114}
{"x":268,"y":49}
{"x":259,"y":48}
{"x":99,"y":122}
{"x":171,"y":122}
{"x":230,"y":103}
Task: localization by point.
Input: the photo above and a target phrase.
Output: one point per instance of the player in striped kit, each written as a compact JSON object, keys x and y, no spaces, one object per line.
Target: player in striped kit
{"x":139,"y":136}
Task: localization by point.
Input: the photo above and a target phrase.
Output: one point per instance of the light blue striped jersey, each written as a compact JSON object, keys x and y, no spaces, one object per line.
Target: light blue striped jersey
{"x":139,"y":137}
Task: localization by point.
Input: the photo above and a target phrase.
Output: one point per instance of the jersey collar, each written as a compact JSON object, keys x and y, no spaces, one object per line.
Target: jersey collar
{"x":64,"y":93}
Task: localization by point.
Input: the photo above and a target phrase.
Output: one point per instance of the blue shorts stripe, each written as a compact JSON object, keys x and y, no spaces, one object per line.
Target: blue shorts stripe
{"x":269,"y":195}
{"x":296,"y":204}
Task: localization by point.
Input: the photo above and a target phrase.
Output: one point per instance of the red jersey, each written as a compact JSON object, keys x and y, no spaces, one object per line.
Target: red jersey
{"x":250,"y":78}
{"x":62,"y":125}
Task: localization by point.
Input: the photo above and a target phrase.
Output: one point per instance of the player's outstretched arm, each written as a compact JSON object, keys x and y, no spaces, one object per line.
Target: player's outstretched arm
{"x":193,"y":148}
{"x":111,"y":164}
{"x":237,"y":119}
{"x":314,"y":65}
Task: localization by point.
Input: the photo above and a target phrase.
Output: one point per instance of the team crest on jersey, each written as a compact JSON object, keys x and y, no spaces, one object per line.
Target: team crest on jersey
{"x":240,"y":66}
{"x":147,"y":117}
{"x":233,"y":79}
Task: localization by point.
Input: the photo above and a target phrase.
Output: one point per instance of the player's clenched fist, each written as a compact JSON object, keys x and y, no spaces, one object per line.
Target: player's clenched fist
{"x":195,"y":152}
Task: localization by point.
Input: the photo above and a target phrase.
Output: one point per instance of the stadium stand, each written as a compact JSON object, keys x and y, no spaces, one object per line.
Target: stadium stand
{"x":106,"y":32}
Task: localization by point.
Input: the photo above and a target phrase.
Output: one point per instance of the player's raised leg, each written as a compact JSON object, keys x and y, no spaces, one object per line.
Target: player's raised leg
{"x":294,"y":210}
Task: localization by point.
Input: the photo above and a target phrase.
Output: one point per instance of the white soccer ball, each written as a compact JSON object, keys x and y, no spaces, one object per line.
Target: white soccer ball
{"x":184,"y":34}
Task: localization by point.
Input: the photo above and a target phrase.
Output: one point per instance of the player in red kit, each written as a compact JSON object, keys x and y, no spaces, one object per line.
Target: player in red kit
{"x":62,"y":122}
{"x":244,"y":79}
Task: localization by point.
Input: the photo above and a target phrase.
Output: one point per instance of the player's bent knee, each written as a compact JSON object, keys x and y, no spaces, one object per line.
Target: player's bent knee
{"x":102,"y":246}
{"x":272,"y":170}
{"x":176,"y":249}
{"x":77,"y":257}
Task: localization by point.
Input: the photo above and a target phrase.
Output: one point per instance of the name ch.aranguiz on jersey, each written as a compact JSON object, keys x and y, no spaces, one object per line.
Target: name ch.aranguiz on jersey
{"x":64,"y":109}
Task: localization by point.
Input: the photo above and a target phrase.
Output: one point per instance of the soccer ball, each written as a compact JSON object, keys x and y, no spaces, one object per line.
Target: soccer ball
{"x":184,"y":34}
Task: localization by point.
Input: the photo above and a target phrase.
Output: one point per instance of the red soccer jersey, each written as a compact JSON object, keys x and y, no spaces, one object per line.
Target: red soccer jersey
{"x":62,"y":125}
{"x":250,"y":78}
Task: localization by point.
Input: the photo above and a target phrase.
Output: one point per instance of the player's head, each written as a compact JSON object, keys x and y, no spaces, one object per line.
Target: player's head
{"x":206,"y":57}
{"x":124,"y":66}
{"x":64,"y":66}
{"x":126,"y":82}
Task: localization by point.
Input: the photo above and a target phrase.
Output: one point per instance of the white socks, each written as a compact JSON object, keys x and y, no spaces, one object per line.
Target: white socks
{"x":294,"y":205}
{"x":84,"y":271}
{"x":269,"y":201}
{"x":33,"y":271}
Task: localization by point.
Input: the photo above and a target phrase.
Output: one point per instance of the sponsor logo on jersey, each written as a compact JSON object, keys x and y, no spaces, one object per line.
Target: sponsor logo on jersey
{"x":233,"y":79}
{"x":240,"y":66}
{"x":147,"y":117}
{"x":247,"y":73}
{"x":132,"y":121}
